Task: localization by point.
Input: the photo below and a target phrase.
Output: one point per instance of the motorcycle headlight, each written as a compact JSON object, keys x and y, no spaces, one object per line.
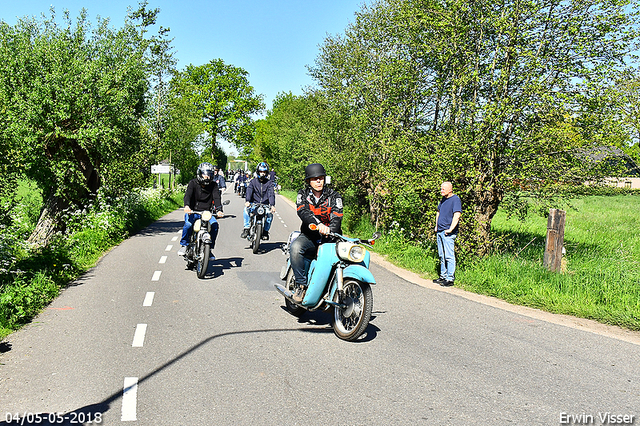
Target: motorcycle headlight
{"x":351,"y":252}
{"x":260,"y":210}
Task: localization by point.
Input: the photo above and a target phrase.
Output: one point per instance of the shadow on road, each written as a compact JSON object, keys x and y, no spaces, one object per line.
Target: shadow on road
{"x":322,"y":318}
{"x":161,"y":226}
{"x":89,"y":412}
{"x":267,"y":247}
{"x":5,"y":347}
{"x":219,"y":265}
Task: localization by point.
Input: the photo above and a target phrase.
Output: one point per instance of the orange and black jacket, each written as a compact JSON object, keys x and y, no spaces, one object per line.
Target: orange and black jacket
{"x":327,"y":210}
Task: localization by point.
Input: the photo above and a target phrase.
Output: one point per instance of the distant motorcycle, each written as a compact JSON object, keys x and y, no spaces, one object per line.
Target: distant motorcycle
{"x":258,"y":214}
{"x":199,"y":247}
{"x":338,"y":278}
{"x":242,"y":189}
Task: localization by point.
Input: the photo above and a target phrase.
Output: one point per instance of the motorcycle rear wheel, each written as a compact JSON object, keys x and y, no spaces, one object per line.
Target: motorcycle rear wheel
{"x":255,"y":244}
{"x":350,"y":322}
{"x":203,"y":260}
{"x":290,"y":284}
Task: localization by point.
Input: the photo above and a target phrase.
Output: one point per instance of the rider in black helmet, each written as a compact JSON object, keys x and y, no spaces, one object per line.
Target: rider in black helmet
{"x":319,"y":205}
{"x":260,"y":190}
{"x":202,"y":192}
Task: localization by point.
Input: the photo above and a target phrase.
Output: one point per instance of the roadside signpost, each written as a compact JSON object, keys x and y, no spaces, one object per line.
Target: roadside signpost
{"x":163,"y":169}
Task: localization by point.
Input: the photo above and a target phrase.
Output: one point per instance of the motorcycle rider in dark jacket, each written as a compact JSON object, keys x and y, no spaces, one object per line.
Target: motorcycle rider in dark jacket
{"x":260,"y":190}
{"x":318,"y":205}
{"x":202,"y":192}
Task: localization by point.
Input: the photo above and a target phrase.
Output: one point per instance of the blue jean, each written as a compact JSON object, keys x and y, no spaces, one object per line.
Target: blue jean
{"x":301,"y":253}
{"x":247,"y":218}
{"x":447,"y":255}
{"x":189,"y":220}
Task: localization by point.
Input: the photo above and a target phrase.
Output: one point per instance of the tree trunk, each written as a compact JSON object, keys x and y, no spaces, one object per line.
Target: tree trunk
{"x":487,"y":202}
{"x":87,"y":167}
{"x":555,"y":240}
{"x":49,"y":222}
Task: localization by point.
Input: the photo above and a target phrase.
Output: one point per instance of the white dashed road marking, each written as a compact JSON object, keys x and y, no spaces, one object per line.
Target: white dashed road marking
{"x":163,"y":259}
{"x":129,"y":399}
{"x":174,"y":239}
{"x":148,"y":299}
{"x":138,"y":337}
{"x":156,"y":276}
{"x":169,"y":247}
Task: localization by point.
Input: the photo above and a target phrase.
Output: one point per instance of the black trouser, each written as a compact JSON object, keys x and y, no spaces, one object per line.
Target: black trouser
{"x":302,"y":248}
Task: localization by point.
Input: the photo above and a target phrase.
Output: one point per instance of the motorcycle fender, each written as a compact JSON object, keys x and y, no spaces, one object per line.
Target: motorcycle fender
{"x":206,"y":238}
{"x":360,"y":273}
{"x":285,"y":270}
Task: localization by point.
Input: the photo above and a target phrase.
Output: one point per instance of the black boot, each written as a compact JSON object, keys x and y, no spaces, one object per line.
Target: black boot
{"x":299,"y":294}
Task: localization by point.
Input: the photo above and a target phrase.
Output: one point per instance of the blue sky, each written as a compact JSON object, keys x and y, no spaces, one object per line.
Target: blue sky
{"x":272,"y":40}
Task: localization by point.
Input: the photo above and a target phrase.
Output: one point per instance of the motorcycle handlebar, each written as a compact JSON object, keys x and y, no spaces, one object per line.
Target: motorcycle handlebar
{"x":214,"y":209}
{"x":376,"y":235}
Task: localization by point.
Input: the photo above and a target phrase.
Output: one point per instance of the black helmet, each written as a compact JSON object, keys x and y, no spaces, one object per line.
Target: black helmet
{"x":263,"y":167}
{"x":314,"y":170}
{"x":205,"y":169}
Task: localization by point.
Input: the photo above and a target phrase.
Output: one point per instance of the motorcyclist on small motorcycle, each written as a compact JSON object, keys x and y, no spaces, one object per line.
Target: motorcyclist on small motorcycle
{"x":319,"y":205}
{"x":202,"y":192}
{"x":260,"y":190}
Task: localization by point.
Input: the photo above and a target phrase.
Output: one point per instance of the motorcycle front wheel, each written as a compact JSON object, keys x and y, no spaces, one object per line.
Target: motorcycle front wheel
{"x":255,"y":244}
{"x":203,"y":260}
{"x":352,"y":320}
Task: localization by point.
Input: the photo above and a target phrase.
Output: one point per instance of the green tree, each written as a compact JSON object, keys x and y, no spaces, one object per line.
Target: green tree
{"x":486,"y":94}
{"x":184,"y":125}
{"x":625,"y":98}
{"x":73,"y":97}
{"x":223,"y":98}
{"x":162,"y":66}
{"x":298,"y":130}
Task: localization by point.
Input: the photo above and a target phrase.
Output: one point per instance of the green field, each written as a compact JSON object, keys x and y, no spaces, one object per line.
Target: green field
{"x":601,"y":280}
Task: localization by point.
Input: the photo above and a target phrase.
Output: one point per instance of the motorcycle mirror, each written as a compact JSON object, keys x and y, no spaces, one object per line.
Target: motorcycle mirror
{"x":327,"y":180}
{"x":226,"y":202}
{"x":376,"y":235}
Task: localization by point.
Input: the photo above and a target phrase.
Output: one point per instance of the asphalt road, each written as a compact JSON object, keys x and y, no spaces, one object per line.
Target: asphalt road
{"x":139,"y":339}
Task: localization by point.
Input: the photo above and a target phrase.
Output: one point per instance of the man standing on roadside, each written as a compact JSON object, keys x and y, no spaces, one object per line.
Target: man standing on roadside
{"x":447,"y":218}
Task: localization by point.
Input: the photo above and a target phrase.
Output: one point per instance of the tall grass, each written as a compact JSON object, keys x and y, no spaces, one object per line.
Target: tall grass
{"x":31,"y":278}
{"x":601,"y":277}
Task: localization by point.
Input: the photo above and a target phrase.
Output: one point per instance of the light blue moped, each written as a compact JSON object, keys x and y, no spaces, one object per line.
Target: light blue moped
{"x":338,"y":278}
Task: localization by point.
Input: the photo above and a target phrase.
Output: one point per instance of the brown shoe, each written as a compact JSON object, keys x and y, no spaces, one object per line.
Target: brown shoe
{"x":299,"y":294}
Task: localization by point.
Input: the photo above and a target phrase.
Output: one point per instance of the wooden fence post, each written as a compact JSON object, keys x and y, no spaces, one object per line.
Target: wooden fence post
{"x":555,"y":240}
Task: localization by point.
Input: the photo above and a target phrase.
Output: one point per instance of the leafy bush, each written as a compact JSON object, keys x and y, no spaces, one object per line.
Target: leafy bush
{"x":30,"y":279}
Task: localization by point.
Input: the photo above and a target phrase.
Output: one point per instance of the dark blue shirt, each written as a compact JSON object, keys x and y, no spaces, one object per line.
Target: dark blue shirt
{"x":261,"y":192}
{"x":447,"y":207}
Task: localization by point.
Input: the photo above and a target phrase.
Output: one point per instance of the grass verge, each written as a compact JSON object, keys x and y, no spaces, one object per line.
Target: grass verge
{"x":31,"y":279}
{"x":601,"y":274}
